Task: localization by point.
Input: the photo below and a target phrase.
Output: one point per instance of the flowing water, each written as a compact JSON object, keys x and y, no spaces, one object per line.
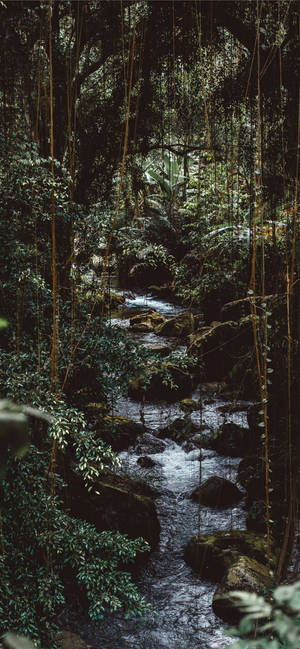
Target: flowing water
{"x":184,"y":618}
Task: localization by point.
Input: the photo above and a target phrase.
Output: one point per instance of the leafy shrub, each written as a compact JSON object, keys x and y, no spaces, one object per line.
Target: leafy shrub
{"x":269,"y":624}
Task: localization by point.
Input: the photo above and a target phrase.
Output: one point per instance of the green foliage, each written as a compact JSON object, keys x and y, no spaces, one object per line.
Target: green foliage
{"x":46,"y":549}
{"x":269,"y":624}
{"x":169,"y":179}
{"x":46,"y":552}
{"x":14,"y":431}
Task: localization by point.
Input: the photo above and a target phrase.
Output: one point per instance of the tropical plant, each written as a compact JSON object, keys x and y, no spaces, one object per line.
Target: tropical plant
{"x":268,"y":624}
{"x":169,"y":179}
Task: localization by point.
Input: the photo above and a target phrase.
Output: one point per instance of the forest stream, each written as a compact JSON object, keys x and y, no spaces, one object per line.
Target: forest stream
{"x":182,"y":600}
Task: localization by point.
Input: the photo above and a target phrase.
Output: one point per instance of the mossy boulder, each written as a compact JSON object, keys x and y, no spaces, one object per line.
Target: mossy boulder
{"x":212,"y":555}
{"x":217,"y":492}
{"x":116,"y":503}
{"x":142,"y":327}
{"x":245,"y":574}
{"x":120,"y":432}
{"x":188,"y":405}
{"x":179,"y":429}
{"x":156,"y":388}
{"x":180,"y":326}
{"x":147,"y":321}
{"x":216,"y":346}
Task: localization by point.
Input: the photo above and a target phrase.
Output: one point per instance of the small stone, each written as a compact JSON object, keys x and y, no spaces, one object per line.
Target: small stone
{"x":146,"y":462}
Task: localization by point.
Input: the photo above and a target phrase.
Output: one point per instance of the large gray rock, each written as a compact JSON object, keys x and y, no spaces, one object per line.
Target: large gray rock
{"x":150,"y":444}
{"x":180,"y":326}
{"x":216,"y":346}
{"x":217,"y":492}
{"x":213,"y":554}
{"x":180,"y":429}
{"x":245,"y":574}
{"x":148,"y":321}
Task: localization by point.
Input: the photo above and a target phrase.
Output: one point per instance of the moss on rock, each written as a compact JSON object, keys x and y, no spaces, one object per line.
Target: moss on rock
{"x":148,"y":321}
{"x":180,"y":326}
{"x":212,"y":555}
{"x":179,"y":430}
{"x":245,"y":574}
{"x":120,"y":432}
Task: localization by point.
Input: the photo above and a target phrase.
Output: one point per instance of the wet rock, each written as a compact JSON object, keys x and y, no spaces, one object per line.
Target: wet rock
{"x":245,"y":574}
{"x":147,"y":321}
{"x":116,"y":503}
{"x":96,"y":410}
{"x":150,"y":444}
{"x":179,"y":430}
{"x":142,"y":327}
{"x":214,"y":388}
{"x":217,"y":492}
{"x":200,"y":440}
{"x":162,"y":350}
{"x":120,"y":432}
{"x":157,"y":390}
{"x":188,"y":405}
{"x":216,"y":346}
{"x":146,"y":462}
{"x":180,"y":326}
{"x":212,"y":555}
{"x":233,"y":440}
{"x":69,"y":640}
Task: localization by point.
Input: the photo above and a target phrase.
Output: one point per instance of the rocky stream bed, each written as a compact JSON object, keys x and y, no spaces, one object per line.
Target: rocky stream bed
{"x":181,"y":597}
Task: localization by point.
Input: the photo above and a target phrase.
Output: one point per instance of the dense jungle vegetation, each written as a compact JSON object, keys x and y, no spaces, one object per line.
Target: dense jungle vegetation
{"x":149,"y":146}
